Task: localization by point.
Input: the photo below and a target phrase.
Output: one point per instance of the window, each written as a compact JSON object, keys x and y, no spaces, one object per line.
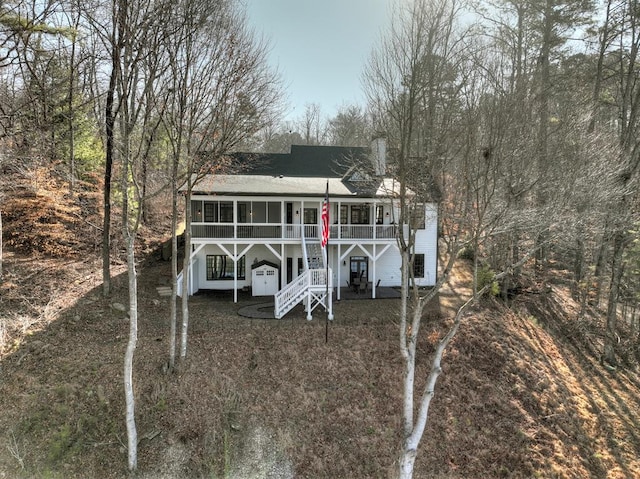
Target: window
{"x":220,"y":267}
{"x":243,"y":209}
{"x":311,"y":216}
{"x":379,"y":214}
{"x":275,"y":212}
{"x":196,"y":211}
{"x":226,"y":212}
{"x":344,"y":214}
{"x":259,"y":212}
{"x":211,"y":211}
{"x":418,"y":266}
{"x":359,"y":214}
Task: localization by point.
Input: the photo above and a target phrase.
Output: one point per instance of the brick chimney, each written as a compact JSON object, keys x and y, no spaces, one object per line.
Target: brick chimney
{"x":379,"y":155}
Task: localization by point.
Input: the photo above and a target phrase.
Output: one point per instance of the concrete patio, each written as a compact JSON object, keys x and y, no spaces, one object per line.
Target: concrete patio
{"x":265,"y":310}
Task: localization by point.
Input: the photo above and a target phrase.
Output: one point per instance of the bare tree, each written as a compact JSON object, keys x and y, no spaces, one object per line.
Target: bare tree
{"x":311,"y":125}
{"x":412,"y":81}
{"x":132,"y":33}
{"x":349,"y":127}
{"x":628,"y":34}
{"x":455,"y":115}
{"x":221,"y":92}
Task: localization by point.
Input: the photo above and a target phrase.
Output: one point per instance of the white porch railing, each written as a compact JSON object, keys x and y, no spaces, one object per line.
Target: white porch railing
{"x":303,"y":287}
{"x":270,"y":231}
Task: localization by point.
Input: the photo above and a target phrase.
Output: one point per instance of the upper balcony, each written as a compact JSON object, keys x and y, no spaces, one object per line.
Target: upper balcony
{"x":293,"y":232}
{"x":285,"y":220}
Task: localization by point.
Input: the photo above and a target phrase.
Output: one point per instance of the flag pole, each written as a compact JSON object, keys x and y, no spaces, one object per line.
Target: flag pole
{"x":325,"y":233}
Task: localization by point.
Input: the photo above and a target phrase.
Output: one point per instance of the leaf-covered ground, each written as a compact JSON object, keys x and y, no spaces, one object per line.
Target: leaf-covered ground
{"x":521,"y":395}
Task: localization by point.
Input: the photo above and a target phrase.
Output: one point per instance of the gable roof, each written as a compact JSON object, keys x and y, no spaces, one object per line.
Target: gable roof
{"x":305,"y":171}
{"x":270,"y":185}
{"x":303,"y":161}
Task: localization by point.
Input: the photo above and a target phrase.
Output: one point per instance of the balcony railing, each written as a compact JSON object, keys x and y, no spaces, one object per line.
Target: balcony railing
{"x":267,"y":231}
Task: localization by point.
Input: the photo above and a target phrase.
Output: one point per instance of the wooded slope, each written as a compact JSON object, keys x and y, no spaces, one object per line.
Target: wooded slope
{"x":522,"y":393}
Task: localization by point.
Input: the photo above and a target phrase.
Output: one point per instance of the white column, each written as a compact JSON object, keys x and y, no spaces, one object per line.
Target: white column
{"x":338,"y":274}
{"x":235,"y":272}
{"x":283,"y":266}
{"x":283,"y":221}
{"x":373,"y":280}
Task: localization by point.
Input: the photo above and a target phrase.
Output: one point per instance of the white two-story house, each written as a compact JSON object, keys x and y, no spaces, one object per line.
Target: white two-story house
{"x":260,"y":230}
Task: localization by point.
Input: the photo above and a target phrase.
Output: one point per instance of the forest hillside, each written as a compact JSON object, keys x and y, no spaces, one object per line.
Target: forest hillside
{"x":522,"y":394}
{"x":521,"y":119}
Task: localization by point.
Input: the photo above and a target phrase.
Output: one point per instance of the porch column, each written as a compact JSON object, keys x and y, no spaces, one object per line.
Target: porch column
{"x":373,"y":279}
{"x":339,"y":228}
{"x":283,"y":266}
{"x":235,"y":272}
{"x":235,"y":219}
{"x":283,"y":221}
{"x":338,"y":274}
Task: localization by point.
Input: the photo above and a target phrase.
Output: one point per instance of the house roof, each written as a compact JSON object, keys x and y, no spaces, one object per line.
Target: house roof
{"x":281,"y":186}
{"x":305,"y":171}
{"x":302,"y":161}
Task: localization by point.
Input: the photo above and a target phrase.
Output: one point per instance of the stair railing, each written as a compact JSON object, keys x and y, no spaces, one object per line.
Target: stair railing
{"x":290,"y":295}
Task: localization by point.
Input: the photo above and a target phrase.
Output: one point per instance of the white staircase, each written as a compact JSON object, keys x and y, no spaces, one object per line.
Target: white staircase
{"x":315,"y":255}
{"x":313,"y":285}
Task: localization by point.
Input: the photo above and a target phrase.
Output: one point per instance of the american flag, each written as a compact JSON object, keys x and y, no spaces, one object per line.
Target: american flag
{"x":325,"y":218}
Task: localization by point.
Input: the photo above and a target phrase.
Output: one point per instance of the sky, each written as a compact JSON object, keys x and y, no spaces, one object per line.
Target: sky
{"x":320,"y":47}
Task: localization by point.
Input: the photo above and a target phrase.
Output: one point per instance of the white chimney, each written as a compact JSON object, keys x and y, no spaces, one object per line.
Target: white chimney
{"x":379,"y":155}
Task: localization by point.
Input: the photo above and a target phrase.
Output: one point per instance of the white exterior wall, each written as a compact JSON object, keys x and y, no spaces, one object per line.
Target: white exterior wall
{"x":387,"y":269}
{"x":200,"y":274}
{"x":427,"y":243}
{"x":255,"y":254}
{"x":389,"y":264}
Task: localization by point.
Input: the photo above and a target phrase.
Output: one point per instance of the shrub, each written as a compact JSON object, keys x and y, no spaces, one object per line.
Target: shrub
{"x":486,"y":276}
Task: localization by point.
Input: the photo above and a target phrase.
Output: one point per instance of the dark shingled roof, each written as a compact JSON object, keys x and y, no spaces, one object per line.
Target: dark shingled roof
{"x":262,"y":263}
{"x":303,"y":161}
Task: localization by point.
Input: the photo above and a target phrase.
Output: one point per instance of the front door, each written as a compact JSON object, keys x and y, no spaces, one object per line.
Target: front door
{"x":289,"y":213}
{"x":359,"y":268}
{"x":289,"y":270}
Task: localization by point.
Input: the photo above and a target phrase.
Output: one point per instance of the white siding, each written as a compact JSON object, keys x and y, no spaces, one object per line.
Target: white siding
{"x":427,"y":244}
{"x":201,"y":279}
{"x":195,"y":265}
{"x":387,"y":266}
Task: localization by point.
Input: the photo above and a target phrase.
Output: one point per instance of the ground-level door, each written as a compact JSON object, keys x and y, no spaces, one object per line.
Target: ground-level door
{"x":289,"y":270}
{"x":264,"y":281}
{"x":359,"y":268}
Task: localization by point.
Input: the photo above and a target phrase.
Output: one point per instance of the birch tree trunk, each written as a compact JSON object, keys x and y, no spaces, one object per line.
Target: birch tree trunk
{"x":174,"y":262}
{"x":132,"y":434}
{"x":186,"y":270}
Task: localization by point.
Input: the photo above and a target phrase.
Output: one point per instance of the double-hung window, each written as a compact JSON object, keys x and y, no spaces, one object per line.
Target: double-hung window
{"x":221,"y":267}
{"x":418,"y":266}
{"x":360,"y":214}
